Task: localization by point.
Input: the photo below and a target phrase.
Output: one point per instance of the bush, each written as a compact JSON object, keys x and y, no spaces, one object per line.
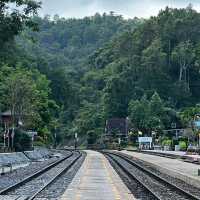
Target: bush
{"x":92,"y":137}
{"x":22,"y":141}
{"x":183,"y":145}
{"x":167,"y":142}
{"x":39,"y":144}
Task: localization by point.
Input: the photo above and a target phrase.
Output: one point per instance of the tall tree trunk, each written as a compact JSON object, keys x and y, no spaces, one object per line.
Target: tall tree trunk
{"x":181,"y":74}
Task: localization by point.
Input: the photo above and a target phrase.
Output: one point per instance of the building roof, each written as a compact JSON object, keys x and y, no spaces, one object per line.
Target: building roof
{"x":117,"y":124}
{"x":6,"y":113}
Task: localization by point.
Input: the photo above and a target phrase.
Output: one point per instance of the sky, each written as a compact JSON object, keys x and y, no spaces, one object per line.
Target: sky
{"x":127,"y":8}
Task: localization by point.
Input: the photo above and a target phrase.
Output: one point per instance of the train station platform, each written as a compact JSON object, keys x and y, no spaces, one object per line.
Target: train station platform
{"x":185,"y":171}
{"x":178,"y":154}
{"x":97,"y":180}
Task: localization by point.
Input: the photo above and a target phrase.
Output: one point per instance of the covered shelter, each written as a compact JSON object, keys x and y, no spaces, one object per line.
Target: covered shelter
{"x":117,"y":127}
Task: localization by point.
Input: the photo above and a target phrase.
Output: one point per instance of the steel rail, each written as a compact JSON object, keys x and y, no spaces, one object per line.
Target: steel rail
{"x":56,"y":177}
{"x":35,"y":175}
{"x":132,"y":176}
{"x":152,"y":174}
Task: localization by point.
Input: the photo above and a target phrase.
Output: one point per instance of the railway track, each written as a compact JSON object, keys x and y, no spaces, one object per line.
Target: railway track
{"x":153,"y":185}
{"x":30,"y":187}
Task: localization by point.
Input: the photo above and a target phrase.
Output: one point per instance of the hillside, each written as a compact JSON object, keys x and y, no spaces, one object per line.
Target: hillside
{"x":61,"y":50}
{"x":84,"y":71}
{"x":157,"y":63}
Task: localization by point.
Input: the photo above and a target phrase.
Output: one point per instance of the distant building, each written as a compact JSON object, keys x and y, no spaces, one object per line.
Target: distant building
{"x":7,"y":120}
{"x":117,"y":127}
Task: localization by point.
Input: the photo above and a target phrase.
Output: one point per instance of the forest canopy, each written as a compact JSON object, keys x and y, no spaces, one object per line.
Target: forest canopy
{"x":81,"y":72}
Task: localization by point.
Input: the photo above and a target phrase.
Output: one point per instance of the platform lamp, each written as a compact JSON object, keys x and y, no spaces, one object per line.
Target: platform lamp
{"x":12,"y":138}
{"x":197,"y":126}
{"x":153,"y":133}
{"x":55,"y":137}
{"x":75,"y":140}
{"x":139,"y":135}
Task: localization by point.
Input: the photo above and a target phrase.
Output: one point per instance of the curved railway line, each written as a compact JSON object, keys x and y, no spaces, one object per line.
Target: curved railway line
{"x":30,"y":187}
{"x":153,"y":185}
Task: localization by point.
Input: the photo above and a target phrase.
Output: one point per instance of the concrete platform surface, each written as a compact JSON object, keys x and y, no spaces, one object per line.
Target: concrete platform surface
{"x":182,"y":154}
{"x":178,"y":153}
{"x":178,"y":168}
{"x":97,"y":180}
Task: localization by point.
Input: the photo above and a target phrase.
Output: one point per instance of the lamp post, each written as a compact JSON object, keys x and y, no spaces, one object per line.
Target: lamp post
{"x":153,"y":133}
{"x":55,"y":137}
{"x":8,"y":135}
{"x":197,"y":127}
{"x":75,"y":140}
{"x":139,"y":134}
{"x":55,"y":125}
{"x":12,"y":137}
{"x":119,"y":143}
{"x":4,"y":137}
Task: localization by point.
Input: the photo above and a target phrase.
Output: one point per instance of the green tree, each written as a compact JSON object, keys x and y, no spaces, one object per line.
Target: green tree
{"x":90,"y":118}
{"x":22,"y":141}
{"x":145,"y":115}
{"x":26,"y":94}
{"x":139,"y":113}
{"x":156,"y":105}
{"x":116,"y":97}
{"x":188,"y":114}
{"x":92,"y":137}
{"x":154,"y":61}
{"x":19,"y":95}
{"x":184,"y":55}
{"x":13,"y":19}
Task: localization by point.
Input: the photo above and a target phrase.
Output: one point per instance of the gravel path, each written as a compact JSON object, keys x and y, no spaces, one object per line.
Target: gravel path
{"x":19,"y":174}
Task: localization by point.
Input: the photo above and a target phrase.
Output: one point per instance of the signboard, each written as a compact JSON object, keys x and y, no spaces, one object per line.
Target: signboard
{"x":197,"y":124}
{"x":32,"y":134}
{"x":119,"y":141}
{"x":145,"y":139}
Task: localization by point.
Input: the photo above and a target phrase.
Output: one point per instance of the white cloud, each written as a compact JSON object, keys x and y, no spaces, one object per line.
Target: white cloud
{"x":128,"y":8}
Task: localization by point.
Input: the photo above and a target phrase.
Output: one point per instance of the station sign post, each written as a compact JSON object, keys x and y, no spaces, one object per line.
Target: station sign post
{"x":145,"y":142}
{"x":32,"y":135}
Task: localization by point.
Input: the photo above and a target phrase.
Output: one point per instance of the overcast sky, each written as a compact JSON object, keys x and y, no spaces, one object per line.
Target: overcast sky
{"x":127,"y":8}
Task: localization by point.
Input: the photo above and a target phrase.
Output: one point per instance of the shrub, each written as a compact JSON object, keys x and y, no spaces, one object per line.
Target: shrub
{"x":183,"y":145}
{"x":167,"y":142}
{"x":39,"y":144}
{"x":91,"y":137}
{"x":22,"y":141}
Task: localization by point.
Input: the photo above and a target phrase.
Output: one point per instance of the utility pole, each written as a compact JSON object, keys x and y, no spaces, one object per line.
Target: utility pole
{"x":8,"y":139}
{"x":119,"y":143}
{"x":4,"y":137}
{"x":55,"y":138}
{"x":12,"y":138}
{"x":75,"y":140}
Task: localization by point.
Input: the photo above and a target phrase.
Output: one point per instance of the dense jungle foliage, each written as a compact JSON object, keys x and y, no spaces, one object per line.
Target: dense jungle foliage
{"x":70,"y":75}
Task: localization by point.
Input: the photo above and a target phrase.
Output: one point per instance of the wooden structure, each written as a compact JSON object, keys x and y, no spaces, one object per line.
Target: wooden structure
{"x":117,"y":127}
